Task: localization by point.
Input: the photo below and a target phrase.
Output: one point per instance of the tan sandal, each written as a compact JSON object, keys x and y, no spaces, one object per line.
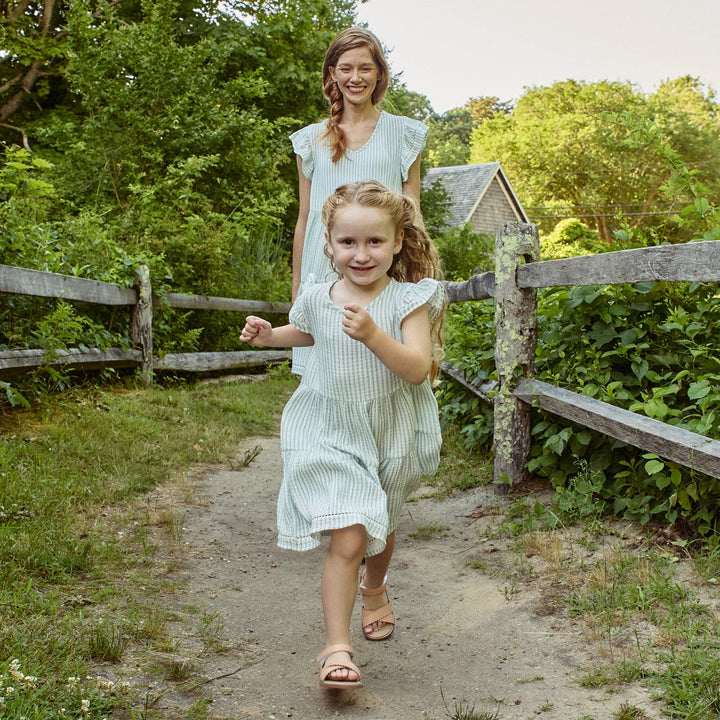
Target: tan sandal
{"x":383,"y":614}
{"x":327,"y":668}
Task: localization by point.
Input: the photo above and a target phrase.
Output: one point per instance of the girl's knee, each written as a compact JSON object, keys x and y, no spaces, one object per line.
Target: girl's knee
{"x":349,"y":543}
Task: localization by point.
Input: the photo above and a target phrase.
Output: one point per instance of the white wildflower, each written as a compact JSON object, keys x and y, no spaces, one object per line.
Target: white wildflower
{"x":30,"y":682}
{"x":85,"y":707}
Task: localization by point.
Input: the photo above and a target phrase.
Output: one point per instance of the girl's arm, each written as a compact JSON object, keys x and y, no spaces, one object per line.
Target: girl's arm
{"x":411,"y":187}
{"x":300,"y":227}
{"x":261,"y":333}
{"x":410,"y":359}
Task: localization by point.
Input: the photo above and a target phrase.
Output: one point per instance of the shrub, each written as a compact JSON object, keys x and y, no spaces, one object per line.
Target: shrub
{"x":463,"y":251}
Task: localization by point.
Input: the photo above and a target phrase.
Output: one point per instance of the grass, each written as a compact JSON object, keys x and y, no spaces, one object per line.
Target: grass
{"x":651,"y":611}
{"x":77,"y":531}
{"x":460,"y":468}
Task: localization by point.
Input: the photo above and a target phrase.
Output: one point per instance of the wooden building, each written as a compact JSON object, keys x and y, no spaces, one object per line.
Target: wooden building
{"x":479,"y":194}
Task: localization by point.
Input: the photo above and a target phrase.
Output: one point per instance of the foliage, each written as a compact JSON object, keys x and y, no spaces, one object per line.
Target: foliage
{"x":463,"y":252}
{"x":448,"y":140}
{"x":435,"y":205}
{"x":568,"y":154}
{"x":158,"y":132}
{"x":74,"y":536}
{"x":450,"y":134}
{"x":569,"y":238}
{"x":647,"y":347}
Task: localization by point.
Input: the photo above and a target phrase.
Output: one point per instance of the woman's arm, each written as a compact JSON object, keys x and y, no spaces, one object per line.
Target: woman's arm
{"x":300,"y":227}
{"x":410,"y":359}
{"x":261,"y":333}
{"x":411,"y":187}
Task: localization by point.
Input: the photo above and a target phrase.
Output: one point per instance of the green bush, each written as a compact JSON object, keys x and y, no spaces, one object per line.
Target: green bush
{"x":570,"y":238}
{"x":463,"y":251}
{"x":649,"y":348}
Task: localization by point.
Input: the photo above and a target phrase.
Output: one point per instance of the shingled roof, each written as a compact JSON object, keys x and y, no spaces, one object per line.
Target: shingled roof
{"x":468,"y":186}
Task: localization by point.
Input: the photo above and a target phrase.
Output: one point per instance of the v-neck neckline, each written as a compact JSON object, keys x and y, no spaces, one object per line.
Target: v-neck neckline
{"x":370,"y":137}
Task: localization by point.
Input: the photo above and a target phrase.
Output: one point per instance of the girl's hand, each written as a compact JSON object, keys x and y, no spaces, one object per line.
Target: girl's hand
{"x":256,"y":331}
{"x":358,"y":324}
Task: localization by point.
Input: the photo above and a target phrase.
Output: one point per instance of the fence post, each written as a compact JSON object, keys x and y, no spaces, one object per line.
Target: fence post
{"x":142,"y":322}
{"x":515,"y":334}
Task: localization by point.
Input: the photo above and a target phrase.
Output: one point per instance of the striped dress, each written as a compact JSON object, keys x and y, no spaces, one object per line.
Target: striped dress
{"x":356,"y":439}
{"x":386,"y":157}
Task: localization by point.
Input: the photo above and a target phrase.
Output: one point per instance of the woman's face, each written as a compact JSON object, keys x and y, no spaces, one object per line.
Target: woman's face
{"x":356,"y":75}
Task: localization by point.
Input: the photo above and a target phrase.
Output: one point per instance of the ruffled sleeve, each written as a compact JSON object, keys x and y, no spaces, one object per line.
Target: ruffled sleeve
{"x":426,"y":292}
{"x":414,"y":134}
{"x":302,"y":141}
{"x":298,"y":316}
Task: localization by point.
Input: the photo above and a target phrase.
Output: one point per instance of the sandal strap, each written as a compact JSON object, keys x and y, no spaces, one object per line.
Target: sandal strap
{"x":383,"y":614}
{"x":372,"y":591}
{"x":330,"y":649}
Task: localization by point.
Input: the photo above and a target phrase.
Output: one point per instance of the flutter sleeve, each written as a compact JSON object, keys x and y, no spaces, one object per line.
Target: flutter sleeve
{"x":302,"y":141}
{"x":299,"y":317}
{"x":414,"y":135}
{"x":426,"y":292}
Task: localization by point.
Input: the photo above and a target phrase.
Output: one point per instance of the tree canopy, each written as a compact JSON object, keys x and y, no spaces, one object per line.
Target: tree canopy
{"x":570,"y":152}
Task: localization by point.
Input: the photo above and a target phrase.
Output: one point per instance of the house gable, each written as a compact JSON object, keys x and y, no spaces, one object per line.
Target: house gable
{"x":479,"y":194}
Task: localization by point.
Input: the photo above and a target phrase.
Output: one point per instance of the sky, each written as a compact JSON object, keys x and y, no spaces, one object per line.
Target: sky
{"x":452,"y":50}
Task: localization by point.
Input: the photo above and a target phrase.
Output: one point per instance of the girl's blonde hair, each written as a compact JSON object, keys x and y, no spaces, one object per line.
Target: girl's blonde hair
{"x":418,"y":257}
{"x":349,"y":39}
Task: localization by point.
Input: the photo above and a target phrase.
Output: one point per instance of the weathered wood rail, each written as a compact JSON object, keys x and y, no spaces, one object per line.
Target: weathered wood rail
{"x":518,"y":274}
{"x":140,"y":301}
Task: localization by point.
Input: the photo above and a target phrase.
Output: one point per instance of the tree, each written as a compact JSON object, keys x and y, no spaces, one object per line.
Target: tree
{"x":450,"y":134}
{"x":167,"y":128}
{"x":570,"y":156}
{"x":30,"y":55}
{"x":449,"y":138}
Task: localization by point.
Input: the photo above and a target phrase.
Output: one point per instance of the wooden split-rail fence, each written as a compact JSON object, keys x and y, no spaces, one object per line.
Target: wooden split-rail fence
{"x":518,"y":274}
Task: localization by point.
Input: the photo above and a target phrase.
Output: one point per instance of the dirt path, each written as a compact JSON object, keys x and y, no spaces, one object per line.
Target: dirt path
{"x":462,"y":637}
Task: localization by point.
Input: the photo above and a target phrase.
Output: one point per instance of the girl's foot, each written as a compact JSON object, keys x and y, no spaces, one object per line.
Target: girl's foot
{"x":337,"y":669}
{"x":377,"y":616}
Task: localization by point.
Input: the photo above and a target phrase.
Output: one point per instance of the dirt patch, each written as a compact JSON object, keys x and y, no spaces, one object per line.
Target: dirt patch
{"x":477,"y":623}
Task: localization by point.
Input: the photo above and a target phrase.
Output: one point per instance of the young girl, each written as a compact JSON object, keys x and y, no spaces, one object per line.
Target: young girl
{"x":357,"y":142}
{"x":362,"y":428}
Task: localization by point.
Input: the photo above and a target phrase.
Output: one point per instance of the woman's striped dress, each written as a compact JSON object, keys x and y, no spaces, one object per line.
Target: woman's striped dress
{"x":386,"y":157}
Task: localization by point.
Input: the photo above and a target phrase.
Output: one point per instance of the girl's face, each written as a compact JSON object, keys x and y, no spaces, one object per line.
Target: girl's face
{"x":362,"y":244}
{"x":356,"y":75}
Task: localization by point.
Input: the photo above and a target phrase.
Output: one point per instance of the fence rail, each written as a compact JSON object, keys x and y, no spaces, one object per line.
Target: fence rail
{"x":518,"y":274}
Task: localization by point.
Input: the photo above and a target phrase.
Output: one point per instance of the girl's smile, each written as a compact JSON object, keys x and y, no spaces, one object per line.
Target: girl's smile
{"x":362,"y":245}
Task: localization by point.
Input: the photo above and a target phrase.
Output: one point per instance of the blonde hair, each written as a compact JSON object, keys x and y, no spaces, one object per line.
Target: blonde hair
{"x":418,"y":257}
{"x":349,"y":39}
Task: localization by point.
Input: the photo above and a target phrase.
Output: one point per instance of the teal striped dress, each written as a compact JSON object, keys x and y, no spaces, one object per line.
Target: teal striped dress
{"x":386,"y":157}
{"x":356,"y":439}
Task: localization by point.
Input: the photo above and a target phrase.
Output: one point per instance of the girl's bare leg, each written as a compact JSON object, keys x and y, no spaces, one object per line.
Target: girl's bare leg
{"x":376,"y":568}
{"x":340,"y":586}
